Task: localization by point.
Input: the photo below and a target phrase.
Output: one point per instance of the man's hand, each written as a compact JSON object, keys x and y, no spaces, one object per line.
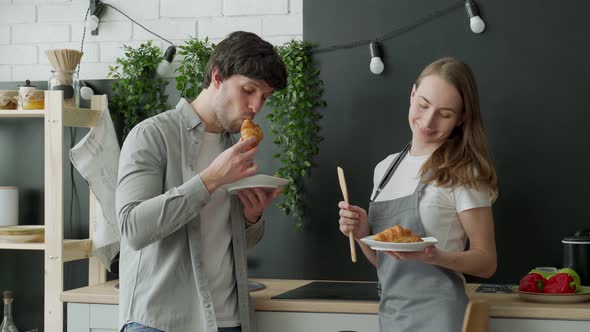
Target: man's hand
{"x":255,"y":201}
{"x":231,"y":165}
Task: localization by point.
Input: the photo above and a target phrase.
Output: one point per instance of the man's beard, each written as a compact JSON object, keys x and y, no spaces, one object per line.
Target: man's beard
{"x":227,"y":125}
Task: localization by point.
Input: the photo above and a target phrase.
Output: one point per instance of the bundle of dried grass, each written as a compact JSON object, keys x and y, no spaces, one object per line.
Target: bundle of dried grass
{"x":64,"y":61}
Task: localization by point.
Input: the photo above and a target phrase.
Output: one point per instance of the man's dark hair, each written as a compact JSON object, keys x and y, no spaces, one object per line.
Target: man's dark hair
{"x":247,"y":54}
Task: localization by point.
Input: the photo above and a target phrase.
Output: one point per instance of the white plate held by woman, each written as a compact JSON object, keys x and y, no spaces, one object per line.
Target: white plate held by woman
{"x":398,"y":246}
{"x":257,"y":181}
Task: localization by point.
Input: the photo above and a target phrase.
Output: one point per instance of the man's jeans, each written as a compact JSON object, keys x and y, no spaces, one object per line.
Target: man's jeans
{"x":136,"y":327}
{"x":230,"y":329}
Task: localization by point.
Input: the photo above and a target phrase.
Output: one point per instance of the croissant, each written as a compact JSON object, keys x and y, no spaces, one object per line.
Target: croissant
{"x":397,"y":234}
{"x":250,"y":129}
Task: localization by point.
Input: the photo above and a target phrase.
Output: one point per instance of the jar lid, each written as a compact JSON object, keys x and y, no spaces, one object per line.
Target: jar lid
{"x":579,"y":236}
{"x":27,"y":85}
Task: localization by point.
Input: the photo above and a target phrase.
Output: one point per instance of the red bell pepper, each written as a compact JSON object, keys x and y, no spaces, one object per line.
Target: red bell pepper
{"x":532,"y":282}
{"x":560,"y":283}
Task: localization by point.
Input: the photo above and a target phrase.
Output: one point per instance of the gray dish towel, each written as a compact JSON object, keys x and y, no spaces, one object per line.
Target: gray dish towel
{"x":96,"y":157}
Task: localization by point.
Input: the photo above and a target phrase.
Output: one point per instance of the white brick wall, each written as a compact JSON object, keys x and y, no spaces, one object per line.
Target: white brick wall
{"x":29,"y":27}
{"x":4,"y":35}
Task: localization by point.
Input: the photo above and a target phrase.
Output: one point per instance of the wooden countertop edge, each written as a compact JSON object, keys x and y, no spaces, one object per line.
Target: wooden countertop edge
{"x":503,"y":305}
{"x":336,"y":307}
{"x":540,"y":313}
{"x":102,"y":294}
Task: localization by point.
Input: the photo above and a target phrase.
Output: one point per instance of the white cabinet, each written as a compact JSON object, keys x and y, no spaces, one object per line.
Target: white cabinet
{"x":84,"y":317}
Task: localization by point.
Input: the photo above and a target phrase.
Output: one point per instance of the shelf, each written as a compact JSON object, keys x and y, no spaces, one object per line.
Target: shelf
{"x":81,"y":117}
{"x":22,"y":246}
{"x":76,"y":249}
{"x":22,"y":114}
{"x":72,"y":117}
{"x":72,"y":249}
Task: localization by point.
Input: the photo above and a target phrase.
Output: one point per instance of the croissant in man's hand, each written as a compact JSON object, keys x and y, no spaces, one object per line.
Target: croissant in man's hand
{"x":250,"y":129}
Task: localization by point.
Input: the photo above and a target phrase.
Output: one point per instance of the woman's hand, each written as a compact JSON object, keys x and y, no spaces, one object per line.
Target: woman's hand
{"x":353,"y":218}
{"x":427,"y":255}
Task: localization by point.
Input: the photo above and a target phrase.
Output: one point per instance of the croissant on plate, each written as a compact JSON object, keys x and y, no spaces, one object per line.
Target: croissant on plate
{"x":250,"y":129}
{"x":397,"y":234}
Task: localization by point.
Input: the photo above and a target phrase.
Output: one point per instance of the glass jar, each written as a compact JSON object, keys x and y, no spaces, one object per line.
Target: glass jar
{"x":8,"y":99}
{"x":29,"y":98}
{"x":66,"y":81}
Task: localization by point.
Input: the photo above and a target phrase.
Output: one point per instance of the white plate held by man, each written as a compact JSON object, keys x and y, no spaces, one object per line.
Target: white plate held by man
{"x":257,"y":181}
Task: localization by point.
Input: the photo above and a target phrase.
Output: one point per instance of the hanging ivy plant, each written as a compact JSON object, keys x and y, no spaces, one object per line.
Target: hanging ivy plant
{"x":137,"y":92}
{"x":191,"y":72}
{"x":294,"y":124}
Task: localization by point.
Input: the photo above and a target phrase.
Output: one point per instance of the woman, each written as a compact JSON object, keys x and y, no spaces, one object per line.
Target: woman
{"x":441,"y":185}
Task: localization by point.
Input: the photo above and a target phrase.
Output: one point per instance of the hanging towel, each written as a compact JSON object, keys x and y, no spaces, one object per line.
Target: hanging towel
{"x":96,"y":157}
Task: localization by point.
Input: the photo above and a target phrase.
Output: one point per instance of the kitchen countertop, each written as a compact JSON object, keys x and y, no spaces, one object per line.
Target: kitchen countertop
{"x":502,"y":305}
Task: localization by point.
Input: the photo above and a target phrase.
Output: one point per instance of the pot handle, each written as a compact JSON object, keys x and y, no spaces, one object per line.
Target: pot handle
{"x":584,"y":232}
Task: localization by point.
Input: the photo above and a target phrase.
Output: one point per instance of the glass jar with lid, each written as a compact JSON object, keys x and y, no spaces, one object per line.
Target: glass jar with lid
{"x":29,"y":98}
{"x":66,"y":81}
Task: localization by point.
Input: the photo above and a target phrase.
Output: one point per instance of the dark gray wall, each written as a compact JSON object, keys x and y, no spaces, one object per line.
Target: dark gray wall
{"x":532,"y":66}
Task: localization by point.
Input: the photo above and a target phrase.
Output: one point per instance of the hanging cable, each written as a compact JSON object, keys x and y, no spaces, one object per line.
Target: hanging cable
{"x":134,"y":21}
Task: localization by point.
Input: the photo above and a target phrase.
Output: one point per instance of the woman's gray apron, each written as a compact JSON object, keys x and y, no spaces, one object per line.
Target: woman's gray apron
{"x":415,"y":296}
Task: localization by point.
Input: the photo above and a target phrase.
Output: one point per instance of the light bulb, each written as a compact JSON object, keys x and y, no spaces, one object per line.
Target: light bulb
{"x":475,"y":22}
{"x":376,"y":65}
{"x":92,"y":23}
{"x":86,"y":93}
{"x":163,"y":68}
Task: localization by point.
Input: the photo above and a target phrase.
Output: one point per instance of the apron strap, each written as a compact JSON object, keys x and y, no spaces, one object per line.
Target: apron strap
{"x":390,"y":170}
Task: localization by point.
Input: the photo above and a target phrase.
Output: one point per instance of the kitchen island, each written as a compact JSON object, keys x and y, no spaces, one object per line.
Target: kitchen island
{"x":95,"y":307}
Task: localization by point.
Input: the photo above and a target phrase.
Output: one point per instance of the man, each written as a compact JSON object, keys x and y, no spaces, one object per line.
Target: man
{"x":184,"y":237}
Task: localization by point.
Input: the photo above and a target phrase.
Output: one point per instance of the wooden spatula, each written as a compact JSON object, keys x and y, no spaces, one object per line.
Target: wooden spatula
{"x":344,"y":189}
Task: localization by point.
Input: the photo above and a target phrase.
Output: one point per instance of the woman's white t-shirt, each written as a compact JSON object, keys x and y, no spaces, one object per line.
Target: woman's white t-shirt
{"x":438,"y":207}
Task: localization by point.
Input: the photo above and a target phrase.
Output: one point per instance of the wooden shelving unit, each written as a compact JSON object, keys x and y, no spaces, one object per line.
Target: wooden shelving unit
{"x":58,"y":250}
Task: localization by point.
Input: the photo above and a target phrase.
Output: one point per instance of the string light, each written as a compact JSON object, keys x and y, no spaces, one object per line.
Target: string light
{"x":475,"y":22}
{"x":376,"y":65}
{"x":92,"y":22}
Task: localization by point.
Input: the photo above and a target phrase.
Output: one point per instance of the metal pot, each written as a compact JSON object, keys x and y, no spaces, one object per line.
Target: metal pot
{"x":576,"y":254}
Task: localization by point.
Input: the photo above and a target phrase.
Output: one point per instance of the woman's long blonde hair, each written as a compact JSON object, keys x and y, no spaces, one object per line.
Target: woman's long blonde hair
{"x":464,"y":159}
